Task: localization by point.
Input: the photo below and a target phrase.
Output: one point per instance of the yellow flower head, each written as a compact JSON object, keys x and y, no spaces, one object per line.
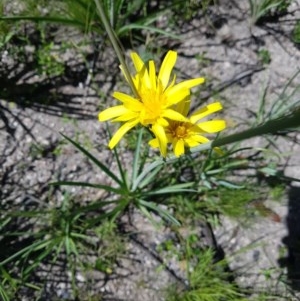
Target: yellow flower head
{"x":154,"y":106}
{"x":190,"y":133}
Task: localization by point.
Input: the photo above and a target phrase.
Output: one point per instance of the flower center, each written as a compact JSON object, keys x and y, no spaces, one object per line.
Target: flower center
{"x":180,"y":131}
{"x":154,"y":102}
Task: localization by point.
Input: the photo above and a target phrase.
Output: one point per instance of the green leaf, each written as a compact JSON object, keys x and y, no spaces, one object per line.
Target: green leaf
{"x":128,"y":27}
{"x":148,"y":179}
{"x":3,"y":295}
{"x":60,"y":20}
{"x":136,"y":158}
{"x":92,"y":185}
{"x":27,"y":250}
{"x":50,"y":248}
{"x":94,"y":206}
{"x":112,"y":214}
{"x":103,"y":167}
{"x":228,"y":184}
{"x":70,"y":246}
{"x":177,"y":188}
{"x":143,"y":205}
{"x":121,"y":170}
{"x":146,"y":171}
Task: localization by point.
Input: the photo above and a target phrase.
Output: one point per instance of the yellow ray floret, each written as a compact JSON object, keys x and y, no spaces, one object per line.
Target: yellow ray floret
{"x":154,"y":106}
{"x":189,"y":133}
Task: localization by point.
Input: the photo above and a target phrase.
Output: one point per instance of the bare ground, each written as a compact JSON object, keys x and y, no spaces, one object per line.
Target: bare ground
{"x":35,"y":112}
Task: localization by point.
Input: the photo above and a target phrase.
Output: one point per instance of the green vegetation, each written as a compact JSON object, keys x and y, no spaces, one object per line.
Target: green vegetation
{"x":264,"y":56}
{"x":208,"y":281}
{"x":262,"y":8}
{"x":296,"y":33}
{"x":82,"y":228}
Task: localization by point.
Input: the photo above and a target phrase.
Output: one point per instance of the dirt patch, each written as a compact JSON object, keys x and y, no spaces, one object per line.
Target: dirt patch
{"x":239,"y":60}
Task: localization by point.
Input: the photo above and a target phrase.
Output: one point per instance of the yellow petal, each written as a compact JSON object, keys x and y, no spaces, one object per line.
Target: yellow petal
{"x":172,"y":82}
{"x":191,"y":142}
{"x":124,"y":97}
{"x":186,"y":85}
{"x":137,"y":61}
{"x":112,"y":112}
{"x":196,"y":140}
{"x":127,"y":116}
{"x":129,"y":102}
{"x":166,"y":68}
{"x":160,"y":134}
{"x":173,"y":115}
{"x":176,"y":95}
{"x":191,"y":83}
{"x":141,"y":68}
{"x":183,"y":107}
{"x":195,"y":129}
{"x":163,"y":122}
{"x":144,"y":79}
{"x":121,"y":132}
{"x":178,"y":147}
{"x":137,"y":82}
{"x":154,"y":143}
{"x":212,"y":126}
{"x":207,"y":110}
{"x":152,"y":75}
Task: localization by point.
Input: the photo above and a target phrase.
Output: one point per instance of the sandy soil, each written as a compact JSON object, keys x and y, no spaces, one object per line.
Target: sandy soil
{"x":227,"y":52}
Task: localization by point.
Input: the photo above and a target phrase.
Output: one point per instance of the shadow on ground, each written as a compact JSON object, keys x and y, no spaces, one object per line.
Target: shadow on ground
{"x":292,"y":241}
{"x":54,"y":96}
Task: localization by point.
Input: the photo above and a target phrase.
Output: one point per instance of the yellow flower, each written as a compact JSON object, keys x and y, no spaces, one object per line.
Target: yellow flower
{"x":154,"y":106}
{"x":190,"y":133}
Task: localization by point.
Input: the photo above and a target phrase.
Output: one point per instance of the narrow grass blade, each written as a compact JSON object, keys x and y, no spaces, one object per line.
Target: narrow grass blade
{"x":94,"y":207}
{"x":178,"y":188}
{"x":27,"y":250}
{"x":230,"y":185}
{"x":119,"y":164}
{"x":161,"y":212}
{"x":150,"y":176}
{"x":103,"y":167}
{"x":146,"y":171}
{"x":40,"y":258}
{"x":128,"y":27}
{"x":231,"y":165}
{"x":70,"y":246}
{"x":84,"y":184}
{"x":3,"y":295}
{"x":136,"y":158}
{"x":284,"y":103}
{"x":147,"y":214}
{"x":121,"y":170}
{"x":112,"y":214}
{"x":60,"y":20}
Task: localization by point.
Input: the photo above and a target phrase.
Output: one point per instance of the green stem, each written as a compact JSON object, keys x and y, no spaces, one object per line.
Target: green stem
{"x":114,"y":42}
{"x":270,"y":127}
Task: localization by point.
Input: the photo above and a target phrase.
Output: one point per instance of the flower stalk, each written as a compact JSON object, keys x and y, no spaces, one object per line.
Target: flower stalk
{"x":115,"y":44}
{"x":286,"y":122}
{"x":270,"y":127}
